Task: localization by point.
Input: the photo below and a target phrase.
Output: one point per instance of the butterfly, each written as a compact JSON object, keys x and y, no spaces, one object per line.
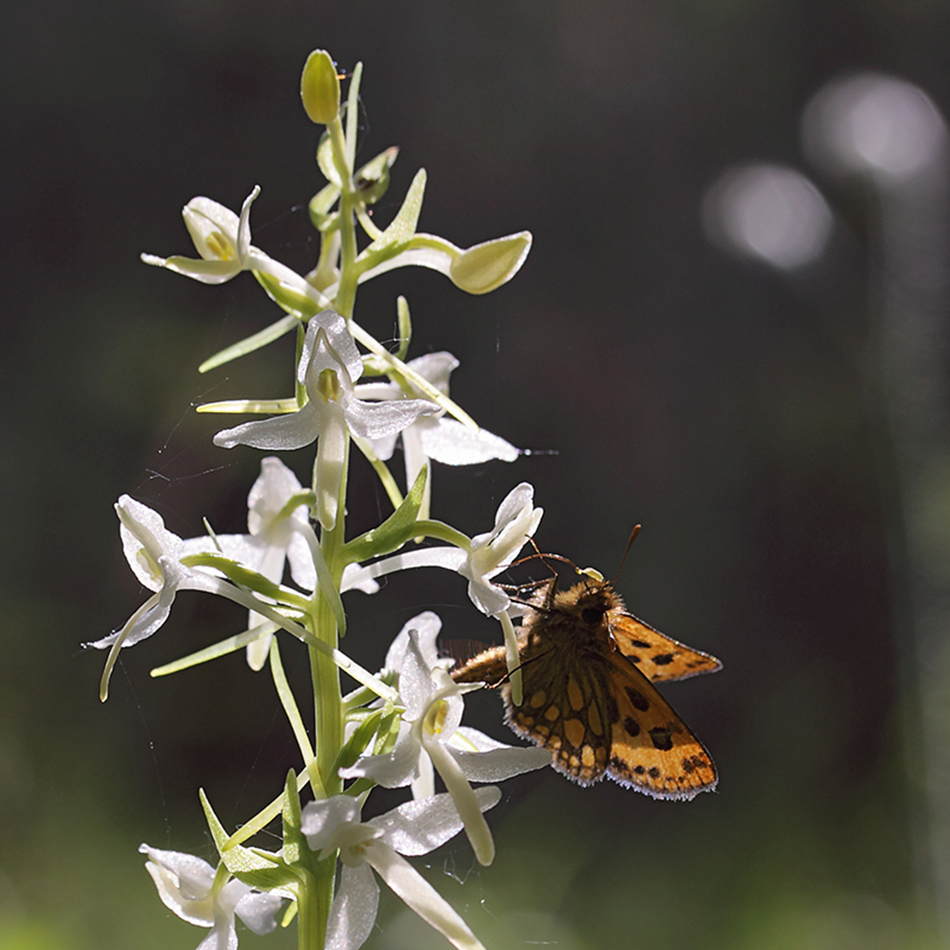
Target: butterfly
{"x":588,"y":671}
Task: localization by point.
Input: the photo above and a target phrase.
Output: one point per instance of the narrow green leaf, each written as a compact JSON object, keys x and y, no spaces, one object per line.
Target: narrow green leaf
{"x":419,"y":382}
{"x":250,"y":344}
{"x":255,"y":867}
{"x":320,"y":205}
{"x":222,"y":648}
{"x":294,"y":840}
{"x":394,"y":532}
{"x":352,"y":114}
{"x":325,"y":160}
{"x":265,"y":816}
{"x":256,"y":406}
{"x":357,"y":743}
{"x":289,"y":704}
{"x":405,"y":326}
{"x":403,"y":226}
{"x":246,"y":578}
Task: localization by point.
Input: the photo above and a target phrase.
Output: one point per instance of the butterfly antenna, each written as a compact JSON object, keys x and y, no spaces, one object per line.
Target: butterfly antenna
{"x":520,"y":666}
{"x":633,"y":537}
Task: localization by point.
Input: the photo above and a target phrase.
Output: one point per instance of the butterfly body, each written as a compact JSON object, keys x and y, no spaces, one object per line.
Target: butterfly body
{"x":588,"y":668}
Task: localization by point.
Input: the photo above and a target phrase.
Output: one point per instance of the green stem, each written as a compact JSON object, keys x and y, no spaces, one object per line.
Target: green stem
{"x":312,"y":911}
{"x":328,"y":720}
{"x":346,"y":291}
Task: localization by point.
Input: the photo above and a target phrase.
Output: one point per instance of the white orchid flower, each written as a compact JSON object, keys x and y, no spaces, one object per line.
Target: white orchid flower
{"x":223,"y":239}
{"x":440,"y":437}
{"x":487,"y":554}
{"x":414,"y":828}
{"x":154,"y":553}
{"x":329,"y":366}
{"x":275,"y":537}
{"x":431,"y":736}
{"x":190,"y":888}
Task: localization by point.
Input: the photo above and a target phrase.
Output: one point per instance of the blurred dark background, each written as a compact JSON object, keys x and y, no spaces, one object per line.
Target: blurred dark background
{"x":722,"y":404}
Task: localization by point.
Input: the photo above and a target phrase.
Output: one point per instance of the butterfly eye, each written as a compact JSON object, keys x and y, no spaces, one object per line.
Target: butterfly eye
{"x":592,"y":615}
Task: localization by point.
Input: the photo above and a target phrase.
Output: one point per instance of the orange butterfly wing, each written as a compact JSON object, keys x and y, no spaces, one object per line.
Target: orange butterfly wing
{"x":651,"y":748}
{"x":658,"y":657}
{"x":588,"y":697}
{"x":566,"y":711}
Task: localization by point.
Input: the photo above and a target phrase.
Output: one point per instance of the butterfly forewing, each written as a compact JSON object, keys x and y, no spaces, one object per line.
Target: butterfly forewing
{"x":658,"y":657}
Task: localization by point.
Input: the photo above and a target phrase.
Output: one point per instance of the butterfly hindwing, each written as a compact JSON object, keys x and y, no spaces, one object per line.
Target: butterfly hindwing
{"x":651,"y":748}
{"x":565,"y":710}
{"x":658,"y":657}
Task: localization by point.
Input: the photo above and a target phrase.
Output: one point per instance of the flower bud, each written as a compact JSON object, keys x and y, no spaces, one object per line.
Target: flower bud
{"x":484,"y":267}
{"x":372,"y":179}
{"x":320,"y":88}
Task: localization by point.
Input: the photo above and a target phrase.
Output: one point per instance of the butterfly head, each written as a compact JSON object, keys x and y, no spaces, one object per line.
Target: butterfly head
{"x":589,"y":602}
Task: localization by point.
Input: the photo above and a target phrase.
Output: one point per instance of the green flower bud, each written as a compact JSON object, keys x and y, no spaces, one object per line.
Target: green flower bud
{"x":486,"y":266}
{"x":320,"y":88}
{"x":372,"y":179}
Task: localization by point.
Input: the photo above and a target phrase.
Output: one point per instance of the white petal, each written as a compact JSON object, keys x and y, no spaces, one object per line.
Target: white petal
{"x":257,"y":910}
{"x":203,"y":218}
{"x":427,"y":625}
{"x":195,"y":876}
{"x":144,"y":540}
{"x":393,"y":770}
{"x":420,"y":896}
{"x":243,"y":241}
{"x":184,"y":884}
{"x":213,"y":271}
{"x":354,"y":909}
{"x":339,"y":340}
{"x":466,"y":801}
{"x":448,"y":441}
{"x":516,"y":502}
{"x":378,"y":391}
{"x":331,"y":459}
{"x":223,"y":936}
{"x":280,"y":433}
{"x":421,"y":826}
{"x":488,"y":598}
{"x":385,"y":446}
{"x":352,"y":580}
{"x":375,"y":420}
{"x":417,"y":685}
{"x":436,"y":368}
{"x":273,"y":488}
{"x":450,"y":558}
{"x":500,"y":764}
{"x":321,"y":818}
{"x":301,"y":565}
